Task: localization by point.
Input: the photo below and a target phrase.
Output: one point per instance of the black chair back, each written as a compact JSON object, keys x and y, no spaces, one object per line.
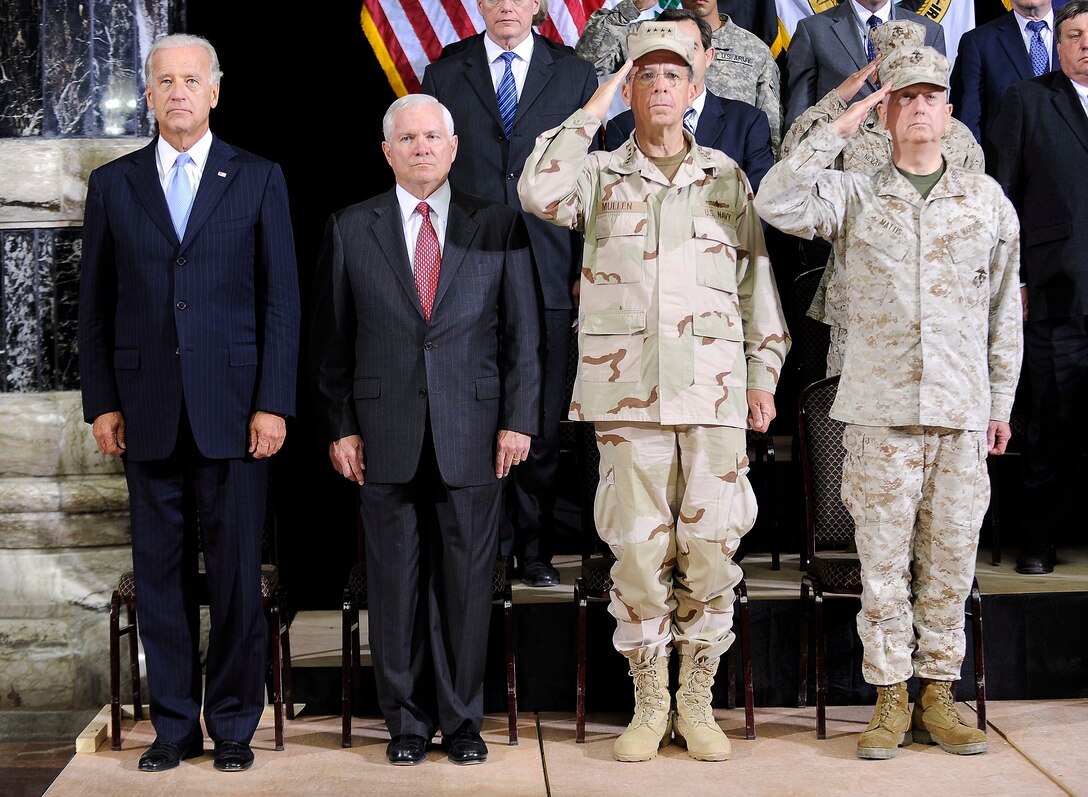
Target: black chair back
{"x":828,"y":524}
{"x":811,"y":339}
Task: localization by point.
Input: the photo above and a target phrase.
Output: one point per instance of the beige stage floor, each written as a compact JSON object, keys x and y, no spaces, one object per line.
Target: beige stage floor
{"x":1036,"y":749}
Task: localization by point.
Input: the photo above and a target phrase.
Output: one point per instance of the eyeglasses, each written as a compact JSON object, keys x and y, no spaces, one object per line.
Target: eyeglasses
{"x":497,"y":3}
{"x":647,"y":78}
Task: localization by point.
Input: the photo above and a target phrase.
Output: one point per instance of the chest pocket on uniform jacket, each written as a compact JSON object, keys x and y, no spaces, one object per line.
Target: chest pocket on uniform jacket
{"x":620,"y":249}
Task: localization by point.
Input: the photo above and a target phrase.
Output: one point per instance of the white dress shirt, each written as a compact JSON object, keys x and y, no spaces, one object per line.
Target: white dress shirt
{"x":697,"y":105}
{"x":165,"y":155}
{"x":1047,"y":33}
{"x":884,"y":13}
{"x":1082,"y":93}
{"x":412,"y":221}
{"x":519,"y":66}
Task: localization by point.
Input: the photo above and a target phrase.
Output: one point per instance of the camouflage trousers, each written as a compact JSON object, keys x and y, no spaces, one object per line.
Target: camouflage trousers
{"x":917,"y":495}
{"x":672,"y":504}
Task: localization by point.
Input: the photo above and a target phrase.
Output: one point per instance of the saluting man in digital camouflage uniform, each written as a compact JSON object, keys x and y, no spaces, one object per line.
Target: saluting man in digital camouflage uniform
{"x":681,"y":340}
{"x":868,"y":151}
{"x":928,"y":254}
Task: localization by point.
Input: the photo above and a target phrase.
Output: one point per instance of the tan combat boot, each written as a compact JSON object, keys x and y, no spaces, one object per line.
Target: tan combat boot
{"x":650,"y":728}
{"x":695,"y":725}
{"x":890,"y":727}
{"x":936,"y":721}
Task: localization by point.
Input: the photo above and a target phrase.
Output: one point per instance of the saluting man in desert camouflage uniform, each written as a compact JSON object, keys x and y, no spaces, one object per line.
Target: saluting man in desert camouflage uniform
{"x":743,"y":67}
{"x":929,"y":257}
{"x":868,"y":151}
{"x":681,"y":341}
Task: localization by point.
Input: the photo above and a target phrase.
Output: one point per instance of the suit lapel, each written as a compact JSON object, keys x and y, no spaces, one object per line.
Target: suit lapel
{"x":461,"y":231}
{"x":144,"y":177}
{"x":843,"y":24}
{"x":1069,"y":107}
{"x":1013,"y":44}
{"x":709,"y":120}
{"x":478,"y":76}
{"x":218,"y":173}
{"x":388,"y":229}
{"x":538,"y":76}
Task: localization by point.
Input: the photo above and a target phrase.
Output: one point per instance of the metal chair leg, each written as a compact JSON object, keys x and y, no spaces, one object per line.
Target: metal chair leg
{"x":746,"y":664}
{"x":273,"y":610}
{"x":349,"y":623}
{"x":821,"y":664}
{"x":580,"y":694}
{"x":511,"y":667}
{"x":802,"y":679}
{"x":285,"y":637}
{"x":115,"y":671}
{"x":980,"y":659}
{"x":132,"y":631}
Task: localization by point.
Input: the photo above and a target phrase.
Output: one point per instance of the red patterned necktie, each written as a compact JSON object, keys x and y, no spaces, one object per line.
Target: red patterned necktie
{"x":428,"y":261}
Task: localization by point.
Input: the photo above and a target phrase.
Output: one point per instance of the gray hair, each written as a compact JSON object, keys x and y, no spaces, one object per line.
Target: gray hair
{"x":407,"y":101}
{"x":1074,"y":8}
{"x":183,"y":40}
{"x":541,"y":14}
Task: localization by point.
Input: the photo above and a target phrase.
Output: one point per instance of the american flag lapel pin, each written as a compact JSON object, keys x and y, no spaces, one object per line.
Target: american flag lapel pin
{"x":222,"y":174}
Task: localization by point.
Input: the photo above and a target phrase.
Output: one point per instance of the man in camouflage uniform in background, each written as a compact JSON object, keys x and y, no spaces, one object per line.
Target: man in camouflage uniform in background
{"x":681,"y":341}
{"x":743,"y":67}
{"x":929,"y":257}
{"x":867,"y":152}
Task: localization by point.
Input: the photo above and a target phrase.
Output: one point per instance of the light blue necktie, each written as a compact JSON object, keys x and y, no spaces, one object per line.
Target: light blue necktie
{"x":1040,"y":58}
{"x":507,"y":95}
{"x":872,"y":22}
{"x":689,"y":120}
{"x":179,"y":194}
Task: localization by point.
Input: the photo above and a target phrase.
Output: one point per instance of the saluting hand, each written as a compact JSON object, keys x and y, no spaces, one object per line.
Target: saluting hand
{"x":850,"y":87}
{"x":851,"y":119}
{"x":601,"y":100}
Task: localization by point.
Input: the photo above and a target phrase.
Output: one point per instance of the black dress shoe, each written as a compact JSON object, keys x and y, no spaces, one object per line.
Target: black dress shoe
{"x":232,"y":756}
{"x":539,"y":573}
{"x":161,"y":756}
{"x":1036,"y":560}
{"x":466,"y":747}
{"x":406,"y":750}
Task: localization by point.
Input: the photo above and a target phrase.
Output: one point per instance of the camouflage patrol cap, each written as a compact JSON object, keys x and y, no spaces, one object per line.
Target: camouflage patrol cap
{"x":651,"y":36}
{"x":897,"y":34}
{"x":917,"y":65}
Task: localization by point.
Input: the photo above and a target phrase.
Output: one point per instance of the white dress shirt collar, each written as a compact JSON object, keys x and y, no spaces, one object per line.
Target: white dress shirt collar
{"x":1023,"y":23}
{"x":697,"y":104}
{"x":411,"y":221}
{"x":1082,"y":94}
{"x":519,"y":66}
{"x":884,"y":13}
{"x":165,"y":155}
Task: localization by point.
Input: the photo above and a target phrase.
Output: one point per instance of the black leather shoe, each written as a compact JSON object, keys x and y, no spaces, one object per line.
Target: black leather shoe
{"x":161,"y":756}
{"x":232,"y":756}
{"x":1036,"y":560}
{"x":466,"y":747}
{"x":406,"y":750}
{"x":538,"y":573}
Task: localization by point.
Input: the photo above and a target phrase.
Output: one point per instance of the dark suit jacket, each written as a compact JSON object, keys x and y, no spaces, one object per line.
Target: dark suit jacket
{"x":991,"y":58}
{"x":733,"y":127}
{"x":379,"y":368}
{"x":213,"y":318}
{"x":1038,"y":150}
{"x":826,"y":48}
{"x":489,"y":166}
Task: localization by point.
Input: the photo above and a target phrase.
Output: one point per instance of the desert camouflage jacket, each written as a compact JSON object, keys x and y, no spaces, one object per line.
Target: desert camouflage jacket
{"x":932,"y":286}
{"x":679,"y":313}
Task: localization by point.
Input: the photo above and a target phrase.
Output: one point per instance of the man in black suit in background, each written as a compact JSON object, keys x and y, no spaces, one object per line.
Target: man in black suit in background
{"x":188,"y":348}
{"x":1038,"y":150}
{"x":426,"y":363}
{"x":1018,"y":45}
{"x":540,"y":86}
{"x":736,"y":128}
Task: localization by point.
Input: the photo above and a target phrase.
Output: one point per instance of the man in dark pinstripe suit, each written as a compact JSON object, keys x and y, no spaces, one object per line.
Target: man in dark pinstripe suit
{"x":426,"y":338}
{"x":188,"y":343}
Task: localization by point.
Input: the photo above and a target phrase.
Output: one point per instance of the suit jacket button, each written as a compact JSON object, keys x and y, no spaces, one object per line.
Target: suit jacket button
{"x":428,"y":345}
{"x":422,"y":393}
{"x":181,"y":305}
{"x":180,"y":261}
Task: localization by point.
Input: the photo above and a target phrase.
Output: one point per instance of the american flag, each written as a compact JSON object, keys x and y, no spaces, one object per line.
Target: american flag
{"x":406,"y":35}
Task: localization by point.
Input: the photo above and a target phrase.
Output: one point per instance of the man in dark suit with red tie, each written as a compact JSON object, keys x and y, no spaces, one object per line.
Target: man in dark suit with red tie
{"x":736,"y":128}
{"x":426,"y":332}
{"x":188,"y":344}
{"x":1015,"y":46}
{"x":1038,"y":150}
{"x":504,"y":87}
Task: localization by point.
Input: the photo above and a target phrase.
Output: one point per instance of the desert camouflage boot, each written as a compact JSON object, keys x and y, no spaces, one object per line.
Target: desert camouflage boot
{"x":890,"y":727}
{"x":650,"y":728}
{"x":935,"y":720}
{"x":695,"y":725}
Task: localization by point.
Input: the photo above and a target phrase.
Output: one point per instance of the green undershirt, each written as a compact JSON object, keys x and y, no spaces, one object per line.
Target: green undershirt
{"x":923,"y":183}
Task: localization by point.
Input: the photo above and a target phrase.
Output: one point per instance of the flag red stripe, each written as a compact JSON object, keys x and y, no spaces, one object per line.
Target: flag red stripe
{"x":547,"y":28}
{"x":455,"y":10}
{"x":422,"y":26}
{"x":577,"y":13}
{"x":396,"y":52}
